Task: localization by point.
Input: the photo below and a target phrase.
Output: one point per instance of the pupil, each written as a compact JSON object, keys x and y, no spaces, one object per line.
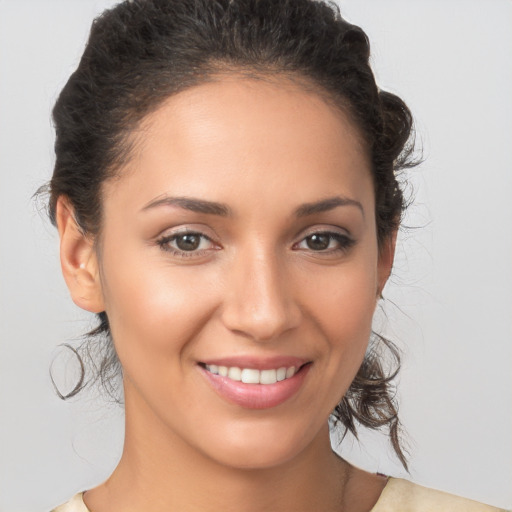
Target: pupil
{"x":318,"y":242}
{"x":188,"y":242}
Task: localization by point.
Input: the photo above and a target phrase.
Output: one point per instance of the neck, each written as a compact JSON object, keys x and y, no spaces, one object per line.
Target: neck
{"x":162,"y":470}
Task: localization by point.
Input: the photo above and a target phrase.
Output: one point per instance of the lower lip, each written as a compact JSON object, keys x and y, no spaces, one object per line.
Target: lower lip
{"x":256,"y":396}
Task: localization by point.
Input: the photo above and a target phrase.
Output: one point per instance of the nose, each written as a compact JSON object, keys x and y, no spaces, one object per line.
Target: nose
{"x":259,"y":303}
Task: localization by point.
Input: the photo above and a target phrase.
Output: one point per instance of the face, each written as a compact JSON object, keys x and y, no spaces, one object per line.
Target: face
{"x":240,"y":243}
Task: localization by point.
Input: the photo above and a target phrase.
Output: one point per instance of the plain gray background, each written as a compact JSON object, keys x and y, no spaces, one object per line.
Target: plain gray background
{"x":449,"y":305}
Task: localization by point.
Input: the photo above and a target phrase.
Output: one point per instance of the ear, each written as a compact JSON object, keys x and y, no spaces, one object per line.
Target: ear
{"x":385,"y":263}
{"x":78,"y":260}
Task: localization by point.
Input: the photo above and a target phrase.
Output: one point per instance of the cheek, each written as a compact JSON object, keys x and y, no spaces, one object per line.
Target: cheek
{"x":345,"y":301}
{"x":344,"y":313}
{"x":153,"y":307}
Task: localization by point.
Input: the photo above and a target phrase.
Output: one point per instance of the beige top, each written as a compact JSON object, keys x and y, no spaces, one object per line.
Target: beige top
{"x":398,"y":496}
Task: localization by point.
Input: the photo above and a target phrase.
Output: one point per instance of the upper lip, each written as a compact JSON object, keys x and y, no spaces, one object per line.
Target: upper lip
{"x":257,"y":362}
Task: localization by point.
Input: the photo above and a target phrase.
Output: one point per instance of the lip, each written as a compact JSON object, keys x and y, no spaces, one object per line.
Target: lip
{"x":258,"y":363}
{"x":256,"y":396}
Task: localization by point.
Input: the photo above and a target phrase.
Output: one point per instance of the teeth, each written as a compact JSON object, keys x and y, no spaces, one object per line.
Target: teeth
{"x":290,"y":372}
{"x":268,"y":376}
{"x":251,"y":375}
{"x":235,"y":373}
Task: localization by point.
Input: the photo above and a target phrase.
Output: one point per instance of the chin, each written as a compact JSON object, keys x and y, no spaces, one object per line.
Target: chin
{"x":262,"y":447}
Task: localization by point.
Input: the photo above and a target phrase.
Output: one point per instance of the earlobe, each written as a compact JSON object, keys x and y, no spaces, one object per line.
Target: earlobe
{"x":386,"y":257}
{"x":78,"y":260}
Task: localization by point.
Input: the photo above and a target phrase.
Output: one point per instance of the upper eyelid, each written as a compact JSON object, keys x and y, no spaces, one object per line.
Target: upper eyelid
{"x":313,"y":230}
{"x":172,"y":236}
{"x":333,"y":234}
{"x":211,"y":235}
{"x":185,"y":230}
{"x":176,"y":234}
{"x":164,"y":243}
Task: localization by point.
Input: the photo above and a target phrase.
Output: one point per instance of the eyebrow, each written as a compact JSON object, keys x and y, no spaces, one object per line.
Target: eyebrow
{"x":192,"y":204}
{"x":326,"y":205}
{"x":213,"y":208}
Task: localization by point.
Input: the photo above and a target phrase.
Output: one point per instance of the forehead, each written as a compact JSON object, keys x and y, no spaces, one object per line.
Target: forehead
{"x":243,"y":135}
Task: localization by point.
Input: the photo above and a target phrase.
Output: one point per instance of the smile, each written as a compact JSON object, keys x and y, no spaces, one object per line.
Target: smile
{"x":254,"y":388}
{"x":252,"y":375}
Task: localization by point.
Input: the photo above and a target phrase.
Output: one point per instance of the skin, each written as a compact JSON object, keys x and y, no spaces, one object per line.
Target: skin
{"x":255,"y":287}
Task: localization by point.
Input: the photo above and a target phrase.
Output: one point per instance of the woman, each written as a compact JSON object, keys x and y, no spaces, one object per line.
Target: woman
{"x":225,"y":192}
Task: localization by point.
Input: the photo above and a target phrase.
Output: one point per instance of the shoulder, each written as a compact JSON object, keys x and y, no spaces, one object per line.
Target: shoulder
{"x":403,"y":496}
{"x":75,"y":504}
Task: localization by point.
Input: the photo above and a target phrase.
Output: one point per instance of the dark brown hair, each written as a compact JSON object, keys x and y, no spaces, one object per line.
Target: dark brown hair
{"x":142,"y":51}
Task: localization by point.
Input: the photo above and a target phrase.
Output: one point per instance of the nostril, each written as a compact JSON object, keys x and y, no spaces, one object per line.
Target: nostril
{"x":259,"y":304}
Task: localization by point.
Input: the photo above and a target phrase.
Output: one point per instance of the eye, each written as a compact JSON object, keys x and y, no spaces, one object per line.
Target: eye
{"x":326,"y":242}
{"x":186,"y":244}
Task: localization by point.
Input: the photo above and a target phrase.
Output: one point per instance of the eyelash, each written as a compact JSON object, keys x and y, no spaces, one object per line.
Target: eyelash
{"x":344,"y":243}
{"x":164,"y":242}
